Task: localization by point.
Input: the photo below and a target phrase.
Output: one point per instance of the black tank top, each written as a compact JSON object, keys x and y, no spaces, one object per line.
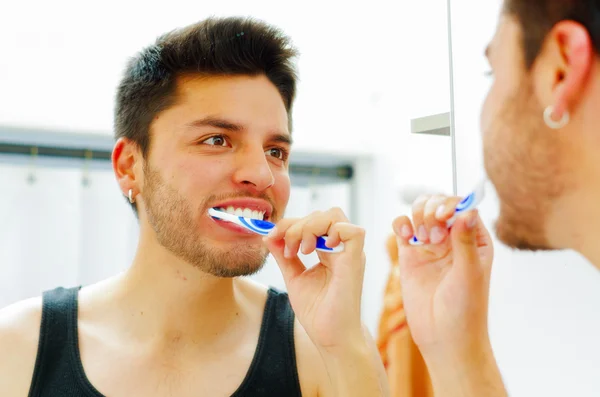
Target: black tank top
{"x":59,"y":371}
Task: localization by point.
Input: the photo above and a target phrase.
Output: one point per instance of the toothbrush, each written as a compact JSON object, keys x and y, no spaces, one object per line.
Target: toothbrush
{"x":468,"y":203}
{"x":263,"y":228}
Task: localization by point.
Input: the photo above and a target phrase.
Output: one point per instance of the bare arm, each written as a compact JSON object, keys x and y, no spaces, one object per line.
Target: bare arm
{"x":19,"y":334}
{"x":356,"y":370}
{"x":466,"y":374}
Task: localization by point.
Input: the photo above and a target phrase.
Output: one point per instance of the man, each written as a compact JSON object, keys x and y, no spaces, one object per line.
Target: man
{"x":203,"y":121}
{"x":541,"y":145}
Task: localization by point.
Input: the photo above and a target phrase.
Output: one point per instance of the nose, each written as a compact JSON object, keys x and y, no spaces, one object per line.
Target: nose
{"x":253,"y":170}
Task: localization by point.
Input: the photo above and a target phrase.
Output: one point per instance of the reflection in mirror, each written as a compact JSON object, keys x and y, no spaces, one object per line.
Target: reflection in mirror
{"x":537,"y":352}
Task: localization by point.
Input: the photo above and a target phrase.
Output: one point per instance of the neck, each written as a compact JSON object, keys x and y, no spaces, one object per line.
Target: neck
{"x":578,"y":228}
{"x":161,"y":296}
{"x":587,"y":242}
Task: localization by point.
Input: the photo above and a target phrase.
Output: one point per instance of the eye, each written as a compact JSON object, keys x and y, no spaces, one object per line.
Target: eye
{"x":217,"y":140}
{"x":277,"y":153}
{"x":488,"y":73}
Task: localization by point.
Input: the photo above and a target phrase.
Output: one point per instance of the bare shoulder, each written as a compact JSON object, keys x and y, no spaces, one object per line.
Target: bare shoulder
{"x":255,"y":294}
{"x":19,"y":336}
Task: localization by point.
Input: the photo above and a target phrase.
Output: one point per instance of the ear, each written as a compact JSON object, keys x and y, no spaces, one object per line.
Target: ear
{"x":127,"y":161}
{"x":562,"y":68}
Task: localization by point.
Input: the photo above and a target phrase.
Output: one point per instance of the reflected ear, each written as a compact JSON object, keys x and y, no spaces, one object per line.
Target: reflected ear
{"x":562,"y":69}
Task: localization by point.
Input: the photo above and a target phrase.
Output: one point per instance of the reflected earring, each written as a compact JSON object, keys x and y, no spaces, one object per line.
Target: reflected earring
{"x":555,"y":125}
{"x":131,"y":199}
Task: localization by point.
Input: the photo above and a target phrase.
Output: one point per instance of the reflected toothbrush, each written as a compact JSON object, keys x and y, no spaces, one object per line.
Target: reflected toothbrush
{"x":263,"y":228}
{"x":468,"y":203}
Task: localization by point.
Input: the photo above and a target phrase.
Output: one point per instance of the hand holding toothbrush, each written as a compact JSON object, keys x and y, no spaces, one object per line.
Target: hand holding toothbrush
{"x":326,"y":299}
{"x":445,"y":283}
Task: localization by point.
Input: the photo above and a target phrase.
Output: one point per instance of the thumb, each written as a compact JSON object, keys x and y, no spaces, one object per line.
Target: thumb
{"x":290,"y":267}
{"x":464,"y":242}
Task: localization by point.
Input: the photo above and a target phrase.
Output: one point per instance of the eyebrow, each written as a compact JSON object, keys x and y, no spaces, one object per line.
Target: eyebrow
{"x":487,"y":52}
{"x":282,"y":138}
{"x":217,"y":123}
{"x":227,"y":125}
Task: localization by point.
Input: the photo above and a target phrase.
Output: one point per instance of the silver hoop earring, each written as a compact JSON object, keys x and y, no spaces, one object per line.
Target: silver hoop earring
{"x":555,"y":125}
{"x":131,"y":199}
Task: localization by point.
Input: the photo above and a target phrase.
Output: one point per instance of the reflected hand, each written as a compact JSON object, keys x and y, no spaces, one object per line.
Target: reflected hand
{"x":445,"y":281}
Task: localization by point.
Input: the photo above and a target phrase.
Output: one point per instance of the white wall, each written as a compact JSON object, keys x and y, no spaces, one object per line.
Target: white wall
{"x":63,"y":62}
{"x":544,"y":319}
{"x":365,"y":70}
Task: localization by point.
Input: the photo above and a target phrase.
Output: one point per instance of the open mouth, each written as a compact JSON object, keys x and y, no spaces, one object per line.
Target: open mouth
{"x":245,"y":212}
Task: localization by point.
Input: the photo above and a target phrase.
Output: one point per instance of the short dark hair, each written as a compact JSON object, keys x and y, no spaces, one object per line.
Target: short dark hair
{"x":537,"y":17}
{"x":215,"y":46}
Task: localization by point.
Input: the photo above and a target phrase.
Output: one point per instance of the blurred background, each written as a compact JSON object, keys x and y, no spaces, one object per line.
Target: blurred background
{"x":388,"y":107}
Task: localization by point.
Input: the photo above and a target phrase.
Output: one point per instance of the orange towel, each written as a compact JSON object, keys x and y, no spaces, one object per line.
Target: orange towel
{"x":406,"y":370}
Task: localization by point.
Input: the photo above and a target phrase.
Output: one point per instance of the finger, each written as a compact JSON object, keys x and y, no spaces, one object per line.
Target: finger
{"x":281,"y":228}
{"x":319,"y":225}
{"x":436,"y":229}
{"x":413,"y":256}
{"x":485,"y":245}
{"x":333,"y":238}
{"x":293,"y":238}
{"x":290,"y":267}
{"x":446,"y":210}
{"x":403,"y":229}
{"x":308,"y":243}
{"x":338,"y":214}
{"x":464,"y":242}
{"x":352,"y":236}
{"x":417,"y":216}
{"x":483,"y":235}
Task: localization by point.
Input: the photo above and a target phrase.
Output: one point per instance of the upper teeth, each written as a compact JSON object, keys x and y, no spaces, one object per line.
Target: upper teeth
{"x":245,"y":212}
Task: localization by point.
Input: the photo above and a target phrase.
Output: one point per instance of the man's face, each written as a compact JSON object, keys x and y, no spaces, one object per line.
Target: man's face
{"x":223,"y":144}
{"x":526,"y":160}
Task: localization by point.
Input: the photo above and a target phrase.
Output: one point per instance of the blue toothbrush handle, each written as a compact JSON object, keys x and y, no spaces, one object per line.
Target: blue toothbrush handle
{"x":322,"y":247}
{"x":264,"y":227}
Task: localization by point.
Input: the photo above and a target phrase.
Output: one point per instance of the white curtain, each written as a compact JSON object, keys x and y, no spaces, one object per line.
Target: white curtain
{"x":63,"y":226}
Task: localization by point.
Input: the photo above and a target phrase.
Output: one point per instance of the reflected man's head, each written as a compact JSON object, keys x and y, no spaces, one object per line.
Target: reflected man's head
{"x":540,"y":119}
